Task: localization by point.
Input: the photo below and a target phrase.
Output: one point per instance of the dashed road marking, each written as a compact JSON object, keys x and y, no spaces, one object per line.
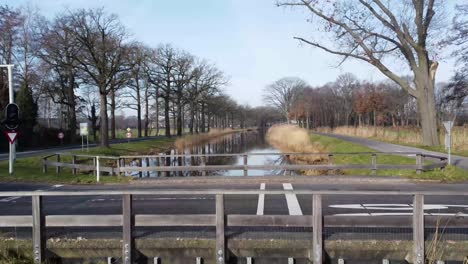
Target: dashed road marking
{"x":291,"y":200}
{"x":261,"y":201}
{"x":12,"y":198}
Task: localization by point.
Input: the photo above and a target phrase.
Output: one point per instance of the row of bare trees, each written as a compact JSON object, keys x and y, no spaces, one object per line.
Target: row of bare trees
{"x":349,"y":101}
{"x":83,"y":64}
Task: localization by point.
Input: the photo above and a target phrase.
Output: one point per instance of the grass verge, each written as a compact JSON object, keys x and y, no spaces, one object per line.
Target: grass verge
{"x":449,"y":174}
{"x":408,"y":136}
{"x":30,"y":169}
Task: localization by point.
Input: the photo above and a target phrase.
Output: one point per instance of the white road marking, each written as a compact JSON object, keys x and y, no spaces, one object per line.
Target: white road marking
{"x":12,"y":198}
{"x":394,"y":207}
{"x":401,"y":214}
{"x":261,"y":201}
{"x":291,"y":200}
{"x":9,"y":199}
{"x":153,"y":199}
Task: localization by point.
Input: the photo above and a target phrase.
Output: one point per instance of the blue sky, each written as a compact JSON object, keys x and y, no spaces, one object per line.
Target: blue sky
{"x":251,"y":41}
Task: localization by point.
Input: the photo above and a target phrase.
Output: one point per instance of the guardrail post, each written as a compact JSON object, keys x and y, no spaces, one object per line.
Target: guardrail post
{"x":203,"y":164}
{"x":249,"y":260}
{"x":330,"y":159}
{"x":220,"y":238}
{"x":385,"y":261}
{"x":418,"y":229}
{"x":245,"y":159}
{"x":38,"y":230}
{"x":57,"y":168}
{"x":74,"y":162}
{"x":317,"y":225}
{"x":128,"y":224}
{"x":374,"y":164}
{"x":419,"y":163}
{"x":156,"y":260}
{"x":44,"y":165}
{"x":290,"y":260}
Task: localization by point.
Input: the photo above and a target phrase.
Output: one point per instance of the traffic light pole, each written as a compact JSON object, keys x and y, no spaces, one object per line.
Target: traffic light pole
{"x":11,"y":99}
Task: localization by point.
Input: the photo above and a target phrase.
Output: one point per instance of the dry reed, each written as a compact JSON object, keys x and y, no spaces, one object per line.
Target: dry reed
{"x":290,"y":138}
{"x":403,"y":135}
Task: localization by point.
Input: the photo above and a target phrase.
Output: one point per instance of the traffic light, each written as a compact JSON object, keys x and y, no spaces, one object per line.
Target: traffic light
{"x":12,"y":119}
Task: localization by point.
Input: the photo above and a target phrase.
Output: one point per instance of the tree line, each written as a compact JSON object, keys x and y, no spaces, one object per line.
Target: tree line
{"x":83,"y":65}
{"x":395,"y":37}
{"x":348,"y":101}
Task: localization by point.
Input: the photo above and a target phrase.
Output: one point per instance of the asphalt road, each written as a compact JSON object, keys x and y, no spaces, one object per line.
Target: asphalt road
{"x":458,"y":161}
{"x":348,"y":207}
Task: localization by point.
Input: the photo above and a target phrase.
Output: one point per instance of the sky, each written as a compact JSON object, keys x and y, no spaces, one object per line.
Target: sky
{"x":250,"y":40}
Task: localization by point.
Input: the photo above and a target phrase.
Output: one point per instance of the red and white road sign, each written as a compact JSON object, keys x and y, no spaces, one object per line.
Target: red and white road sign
{"x":11,"y":135}
{"x":129,"y":134}
{"x":60,"y":135}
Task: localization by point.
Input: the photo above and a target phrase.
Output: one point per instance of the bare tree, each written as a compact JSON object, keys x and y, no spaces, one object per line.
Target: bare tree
{"x":103,"y":40}
{"x":368,"y":30}
{"x":281,"y":94}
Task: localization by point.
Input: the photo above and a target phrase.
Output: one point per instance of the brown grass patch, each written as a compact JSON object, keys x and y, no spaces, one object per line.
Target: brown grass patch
{"x":290,"y":138}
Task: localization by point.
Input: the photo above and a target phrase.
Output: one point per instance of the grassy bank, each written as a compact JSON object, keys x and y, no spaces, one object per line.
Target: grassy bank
{"x":451,"y":173}
{"x":409,"y":136}
{"x":30,"y":169}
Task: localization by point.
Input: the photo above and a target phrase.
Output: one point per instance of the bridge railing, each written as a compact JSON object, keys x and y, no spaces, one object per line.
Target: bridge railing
{"x":121,"y":165}
{"x":128,"y":220}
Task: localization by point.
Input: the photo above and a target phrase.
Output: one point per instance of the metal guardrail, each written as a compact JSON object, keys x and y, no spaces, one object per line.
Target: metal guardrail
{"x":128,"y":219}
{"x":165,"y":163}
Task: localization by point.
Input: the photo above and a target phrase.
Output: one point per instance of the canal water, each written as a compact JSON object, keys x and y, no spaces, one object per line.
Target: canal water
{"x":249,"y":142}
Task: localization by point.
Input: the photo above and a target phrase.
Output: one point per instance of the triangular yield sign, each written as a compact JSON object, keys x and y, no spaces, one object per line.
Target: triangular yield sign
{"x":11,"y":136}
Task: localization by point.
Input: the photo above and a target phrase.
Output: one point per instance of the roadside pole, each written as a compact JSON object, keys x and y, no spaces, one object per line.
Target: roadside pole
{"x":12,"y":155}
{"x":448,"y":127}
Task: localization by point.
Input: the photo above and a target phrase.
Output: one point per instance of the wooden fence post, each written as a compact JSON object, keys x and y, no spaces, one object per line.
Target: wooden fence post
{"x":44,"y":165}
{"x":39,"y":242}
{"x":374,"y":164}
{"x":147,"y":165}
{"x":418,"y":229}
{"x":419,"y":163}
{"x":317,"y":225}
{"x":128,"y":224}
{"x":57,"y":168}
{"x":245,"y":159}
{"x":74,"y":162}
{"x":203,"y":164}
{"x":220,"y":238}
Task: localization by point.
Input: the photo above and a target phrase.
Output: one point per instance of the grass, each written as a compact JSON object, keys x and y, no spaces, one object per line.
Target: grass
{"x":449,"y":174}
{"x":30,"y":169}
{"x":409,"y":136}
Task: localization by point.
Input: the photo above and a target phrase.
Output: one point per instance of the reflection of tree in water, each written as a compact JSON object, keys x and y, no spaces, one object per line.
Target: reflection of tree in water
{"x":229,"y":144}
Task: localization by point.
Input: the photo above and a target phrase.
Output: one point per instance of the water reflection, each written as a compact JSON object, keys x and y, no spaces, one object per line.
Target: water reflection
{"x":245,"y":142}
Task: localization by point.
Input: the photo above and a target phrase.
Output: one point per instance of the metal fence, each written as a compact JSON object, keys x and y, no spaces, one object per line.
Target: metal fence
{"x":128,"y":220}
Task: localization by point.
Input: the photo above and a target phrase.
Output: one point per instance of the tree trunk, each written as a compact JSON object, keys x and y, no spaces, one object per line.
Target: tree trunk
{"x":146,"y":112}
{"x":167,"y":121}
{"x":428,"y":118}
{"x":104,"y":122}
{"x":112,"y":114}
{"x":179,"y":114}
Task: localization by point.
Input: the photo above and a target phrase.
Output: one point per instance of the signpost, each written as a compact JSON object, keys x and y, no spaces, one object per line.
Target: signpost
{"x":129,"y":134}
{"x":448,"y":140}
{"x":84,"y":132}
{"x":11,"y":117}
{"x":60,"y":136}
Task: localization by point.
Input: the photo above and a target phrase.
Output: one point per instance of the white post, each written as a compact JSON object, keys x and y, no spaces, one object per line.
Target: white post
{"x":450,"y":147}
{"x":82,"y":143}
{"x":11,"y":101}
{"x":98,"y":172}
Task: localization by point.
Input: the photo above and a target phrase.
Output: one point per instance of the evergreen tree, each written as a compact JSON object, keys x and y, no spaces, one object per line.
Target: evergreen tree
{"x":28,"y":115}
